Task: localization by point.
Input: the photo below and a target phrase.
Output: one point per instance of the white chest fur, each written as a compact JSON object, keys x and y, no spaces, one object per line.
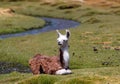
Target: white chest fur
{"x":66,"y":58}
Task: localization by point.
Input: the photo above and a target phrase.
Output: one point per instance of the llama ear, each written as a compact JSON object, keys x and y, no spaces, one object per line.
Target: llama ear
{"x":67,"y":33}
{"x":58,"y":33}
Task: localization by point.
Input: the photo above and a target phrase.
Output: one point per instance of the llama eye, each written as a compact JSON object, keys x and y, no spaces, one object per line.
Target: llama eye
{"x":64,"y":40}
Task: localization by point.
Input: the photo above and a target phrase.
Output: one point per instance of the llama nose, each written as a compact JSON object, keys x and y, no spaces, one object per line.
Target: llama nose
{"x":59,"y":43}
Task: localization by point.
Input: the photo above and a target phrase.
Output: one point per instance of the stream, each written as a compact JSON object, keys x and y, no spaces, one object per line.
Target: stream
{"x":51,"y":24}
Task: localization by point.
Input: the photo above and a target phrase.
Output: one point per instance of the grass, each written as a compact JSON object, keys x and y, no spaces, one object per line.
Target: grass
{"x":87,"y":76}
{"x":80,"y":76}
{"x":13,"y":77}
{"x":18,"y":23}
{"x":98,"y":28}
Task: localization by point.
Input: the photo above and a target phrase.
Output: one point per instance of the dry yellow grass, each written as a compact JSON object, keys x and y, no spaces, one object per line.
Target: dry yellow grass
{"x":6,"y":12}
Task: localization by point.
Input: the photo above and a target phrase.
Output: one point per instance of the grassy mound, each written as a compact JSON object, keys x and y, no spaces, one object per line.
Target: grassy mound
{"x":12,"y":23}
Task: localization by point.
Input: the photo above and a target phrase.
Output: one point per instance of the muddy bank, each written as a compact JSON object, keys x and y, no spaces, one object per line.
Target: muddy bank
{"x":7,"y":67}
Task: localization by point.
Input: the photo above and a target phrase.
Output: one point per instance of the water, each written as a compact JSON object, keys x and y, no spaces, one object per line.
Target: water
{"x":51,"y":24}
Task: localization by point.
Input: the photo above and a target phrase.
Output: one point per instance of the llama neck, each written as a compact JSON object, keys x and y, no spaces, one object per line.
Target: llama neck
{"x":64,"y":56}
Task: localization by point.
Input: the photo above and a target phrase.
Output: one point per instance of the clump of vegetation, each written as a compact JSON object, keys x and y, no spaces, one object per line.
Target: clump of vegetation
{"x":68,"y":6}
{"x":43,"y":79}
{"x":117,"y":12}
{"x":13,"y":77}
{"x":92,"y":20}
{"x":76,"y":81}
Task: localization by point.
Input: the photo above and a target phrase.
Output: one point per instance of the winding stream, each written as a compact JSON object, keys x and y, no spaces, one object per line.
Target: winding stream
{"x":51,"y":24}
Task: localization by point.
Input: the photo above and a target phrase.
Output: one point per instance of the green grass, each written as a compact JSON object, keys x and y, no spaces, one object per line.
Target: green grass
{"x":10,"y":50}
{"x":80,"y":76}
{"x":13,"y":77}
{"x":97,"y":26}
{"x":19,"y":23}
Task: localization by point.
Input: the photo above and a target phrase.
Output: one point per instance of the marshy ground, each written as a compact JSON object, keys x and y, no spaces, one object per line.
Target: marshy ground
{"x":99,"y":28}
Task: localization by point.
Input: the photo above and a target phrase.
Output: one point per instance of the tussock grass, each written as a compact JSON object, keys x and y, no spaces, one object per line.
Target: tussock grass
{"x":43,"y":79}
{"x":68,"y":6}
{"x":13,"y":77}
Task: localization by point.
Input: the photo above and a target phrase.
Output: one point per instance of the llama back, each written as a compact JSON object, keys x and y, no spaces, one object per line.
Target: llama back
{"x":48,"y":65}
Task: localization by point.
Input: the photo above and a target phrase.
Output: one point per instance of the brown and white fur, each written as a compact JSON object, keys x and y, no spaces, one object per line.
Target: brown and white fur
{"x":55,"y":64}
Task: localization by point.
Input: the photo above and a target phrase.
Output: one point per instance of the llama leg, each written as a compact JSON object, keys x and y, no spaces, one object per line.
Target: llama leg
{"x":60,"y":72}
{"x":41,"y":70}
{"x":34,"y":66}
{"x":63,"y":72}
{"x":36,"y":70}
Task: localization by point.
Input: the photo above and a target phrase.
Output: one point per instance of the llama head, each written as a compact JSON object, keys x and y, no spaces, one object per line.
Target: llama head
{"x":63,"y":39}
